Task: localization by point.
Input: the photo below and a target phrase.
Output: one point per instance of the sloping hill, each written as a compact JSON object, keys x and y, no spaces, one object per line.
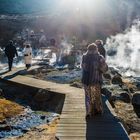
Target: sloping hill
{"x":106,"y":18}
{"x":23,"y":6}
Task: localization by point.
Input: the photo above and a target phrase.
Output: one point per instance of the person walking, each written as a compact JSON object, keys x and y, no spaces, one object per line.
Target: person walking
{"x":27,"y":55}
{"x":10,"y":52}
{"x":101,"y":48}
{"x":93,"y":65}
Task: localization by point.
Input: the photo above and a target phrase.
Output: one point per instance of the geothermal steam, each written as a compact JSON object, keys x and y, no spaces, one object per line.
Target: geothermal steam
{"x":127,"y":46}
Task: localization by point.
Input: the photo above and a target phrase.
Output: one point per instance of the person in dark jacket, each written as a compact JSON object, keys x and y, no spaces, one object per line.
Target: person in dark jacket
{"x":10,"y":52}
{"x":101,"y":48}
{"x":92,"y":66}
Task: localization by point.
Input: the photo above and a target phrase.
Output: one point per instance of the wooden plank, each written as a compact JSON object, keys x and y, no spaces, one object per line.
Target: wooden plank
{"x":108,"y":135}
{"x":71,"y":138}
{"x":90,"y":138}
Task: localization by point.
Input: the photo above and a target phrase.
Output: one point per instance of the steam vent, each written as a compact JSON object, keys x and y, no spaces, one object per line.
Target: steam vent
{"x":69,"y":70}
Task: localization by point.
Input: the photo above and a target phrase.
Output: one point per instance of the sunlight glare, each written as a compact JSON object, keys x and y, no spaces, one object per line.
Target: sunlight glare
{"x":79,"y":5}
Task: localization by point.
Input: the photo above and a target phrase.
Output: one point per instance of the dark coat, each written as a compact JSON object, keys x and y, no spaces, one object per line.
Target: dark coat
{"x":10,"y":51}
{"x":91,"y":69}
{"x":101,"y":50}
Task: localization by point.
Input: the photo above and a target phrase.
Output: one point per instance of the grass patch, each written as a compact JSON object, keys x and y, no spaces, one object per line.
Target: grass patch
{"x":9,"y":109}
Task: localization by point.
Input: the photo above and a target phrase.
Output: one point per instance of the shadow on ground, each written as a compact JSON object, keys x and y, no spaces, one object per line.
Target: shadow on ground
{"x":105,"y":127}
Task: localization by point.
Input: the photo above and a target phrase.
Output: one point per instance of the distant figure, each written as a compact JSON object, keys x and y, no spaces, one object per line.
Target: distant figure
{"x":54,"y":48}
{"x":42,"y":40}
{"x":101,"y":48}
{"x":93,"y":65}
{"x":10,"y":51}
{"x":78,"y":58}
{"x":28,"y":55}
{"x":71,"y":60}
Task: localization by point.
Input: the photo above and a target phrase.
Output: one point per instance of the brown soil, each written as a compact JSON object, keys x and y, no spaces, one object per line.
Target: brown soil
{"x":9,"y":109}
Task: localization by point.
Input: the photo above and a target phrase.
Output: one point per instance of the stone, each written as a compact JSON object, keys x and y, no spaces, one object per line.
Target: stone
{"x":43,"y":117}
{"x":42,"y":95}
{"x":114,"y":71}
{"x":138,"y":85}
{"x":125,"y":97}
{"x":117,"y":80}
{"x":106,"y":92}
{"x":107,"y":76}
{"x":5,"y":128}
{"x":113,"y":98}
{"x":1,"y":93}
{"x":136,"y":103}
{"x":136,"y":98}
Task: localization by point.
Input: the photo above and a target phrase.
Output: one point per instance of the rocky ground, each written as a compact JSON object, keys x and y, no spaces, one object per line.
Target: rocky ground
{"x":123,"y":94}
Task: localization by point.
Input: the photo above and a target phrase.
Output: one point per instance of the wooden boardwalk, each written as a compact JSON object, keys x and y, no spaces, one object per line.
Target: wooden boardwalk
{"x":73,"y":125}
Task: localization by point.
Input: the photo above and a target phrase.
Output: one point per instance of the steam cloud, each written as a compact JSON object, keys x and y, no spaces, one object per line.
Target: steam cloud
{"x":127,"y":47}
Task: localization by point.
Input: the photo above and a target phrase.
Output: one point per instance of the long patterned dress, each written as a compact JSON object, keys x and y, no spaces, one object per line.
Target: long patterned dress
{"x":92,"y":80}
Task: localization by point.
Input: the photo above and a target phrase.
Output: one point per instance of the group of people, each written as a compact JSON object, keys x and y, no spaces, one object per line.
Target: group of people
{"x":11,"y":52}
{"x":93,"y":66}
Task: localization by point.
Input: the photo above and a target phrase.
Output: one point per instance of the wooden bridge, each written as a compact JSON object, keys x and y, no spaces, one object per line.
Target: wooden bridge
{"x":73,"y":125}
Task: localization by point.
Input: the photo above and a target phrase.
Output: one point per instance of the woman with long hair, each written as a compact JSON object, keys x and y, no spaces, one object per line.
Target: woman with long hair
{"x":93,"y":65}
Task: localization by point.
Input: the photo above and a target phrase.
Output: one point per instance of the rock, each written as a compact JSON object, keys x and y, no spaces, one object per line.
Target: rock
{"x":136,"y":99}
{"x":107,"y":76}
{"x":42,"y":117}
{"x":131,"y":90}
{"x":24,"y":131}
{"x":135,"y":136}
{"x":106,"y":92}
{"x":1,"y":93}
{"x":113,"y":87}
{"x":125,"y":97}
{"x":117,"y":80}
{"x":42,"y":95}
{"x":48,"y":121}
{"x":114,"y":71}
{"x":33,"y":72}
{"x":136,"y":103}
{"x":5,"y":128}
{"x":3,"y":122}
{"x":138,"y":85}
{"x":114,"y":98}
{"x":44,"y":70}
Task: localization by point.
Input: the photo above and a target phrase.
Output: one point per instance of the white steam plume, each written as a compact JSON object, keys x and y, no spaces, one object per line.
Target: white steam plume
{"x":127,"y":46}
